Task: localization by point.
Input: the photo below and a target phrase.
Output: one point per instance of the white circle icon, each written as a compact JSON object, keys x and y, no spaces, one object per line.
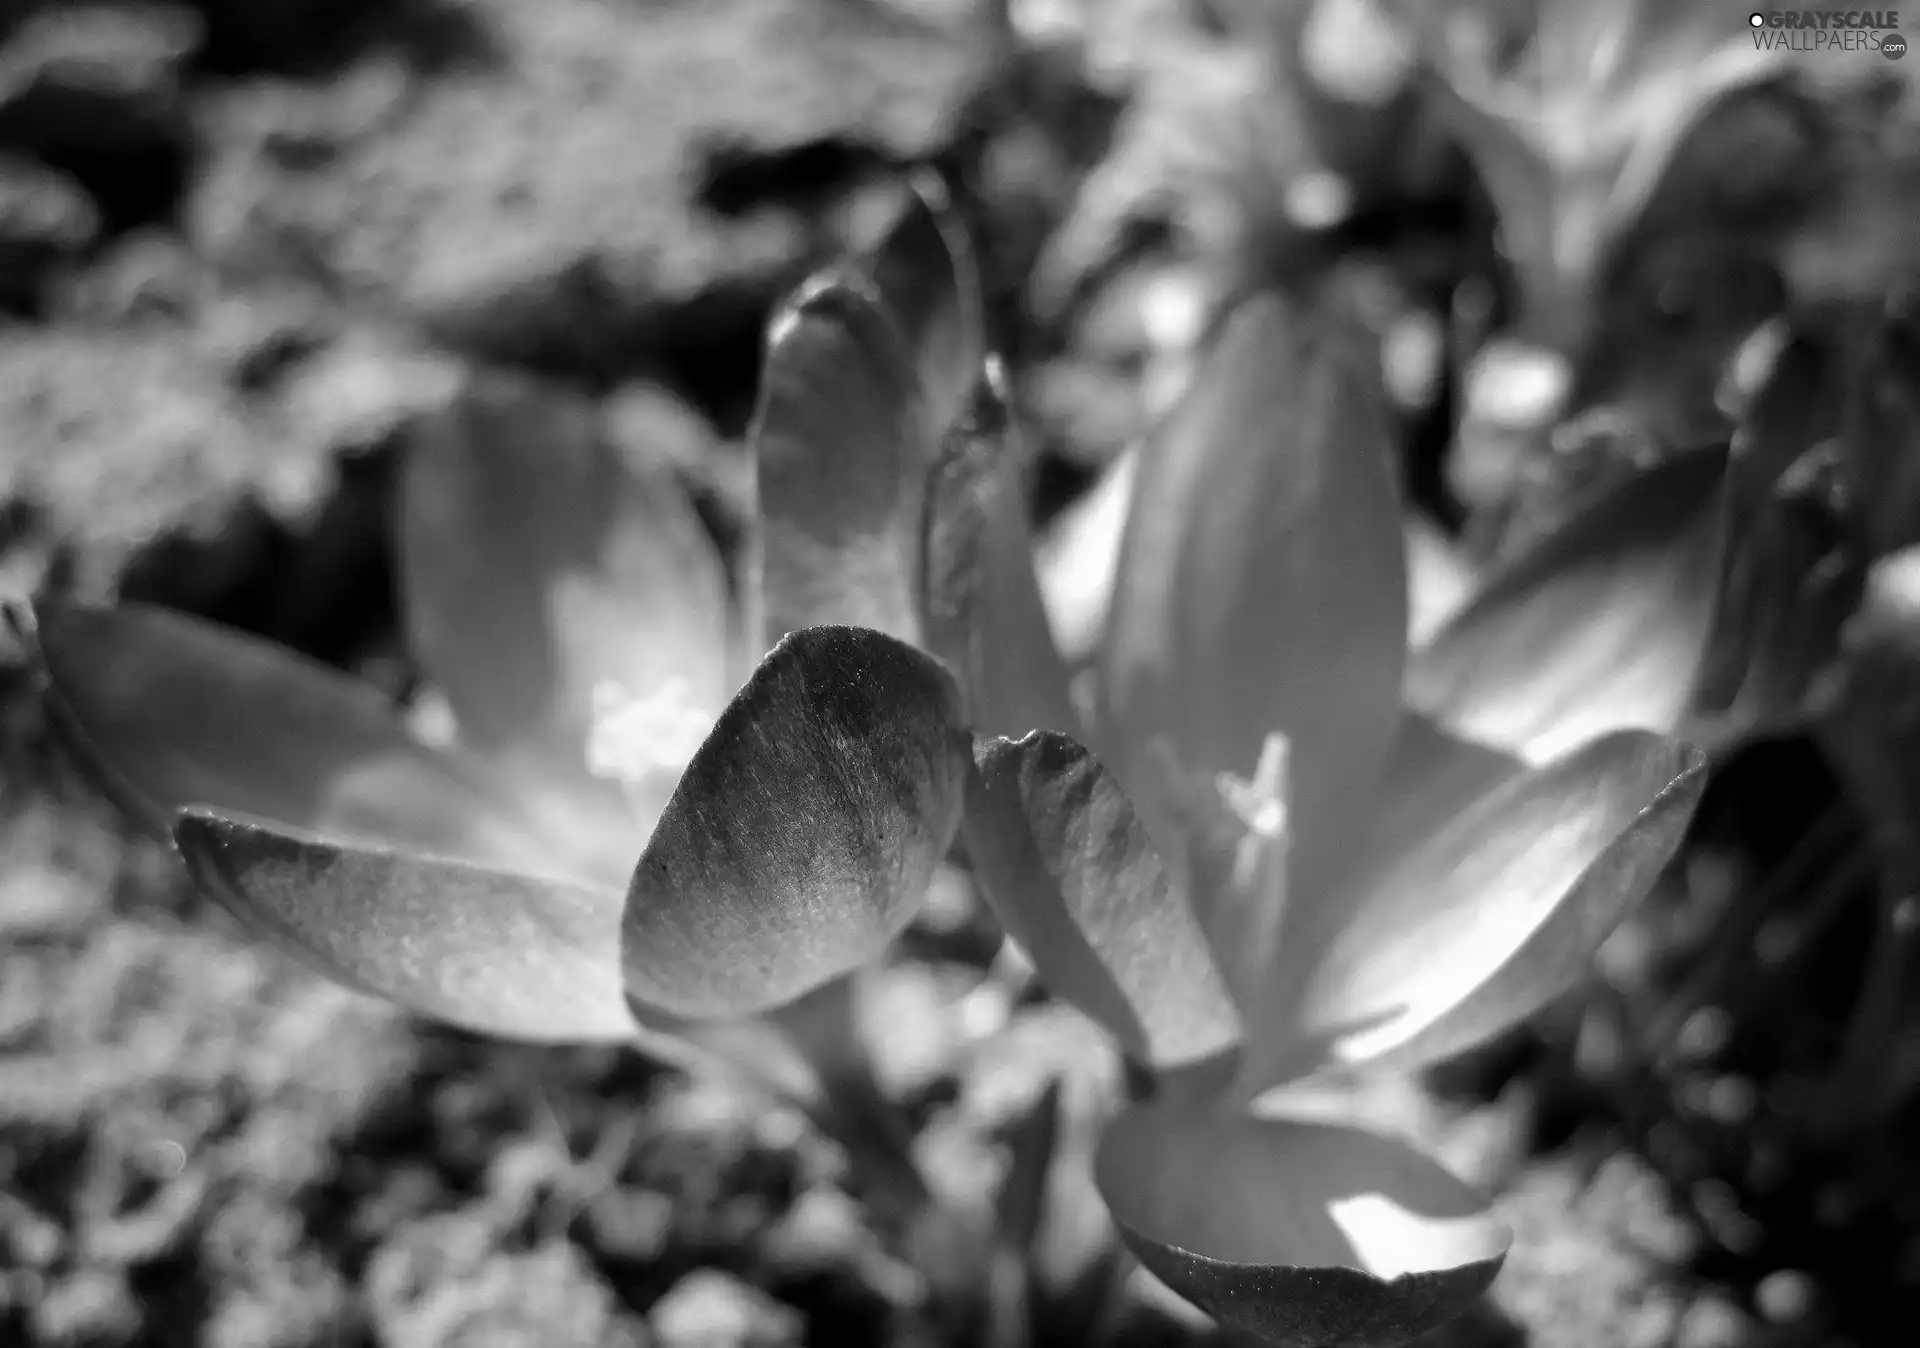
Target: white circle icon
{"x":1757,"y":20}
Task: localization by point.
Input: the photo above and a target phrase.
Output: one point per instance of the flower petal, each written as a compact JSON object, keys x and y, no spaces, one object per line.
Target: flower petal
{"x":979,"y":602}
{"x":1302,"y":1233}
{"x":927,"y":276}
{"x":1078,"y":555}
{"x":1429,"y":777}
{"x":1068,"y":867}
{"x":1446,"y":943}
{"x":1433,"y":774}
{"x":539,"y":570}
{"x":1265,"y":592}
{"x":1601,"y":624}
{"x":496,"y":953}
{"x":840,"y":445}
{"x":170,"y":711}
{"x":1439,"y":579}
{"x":804,"y":833}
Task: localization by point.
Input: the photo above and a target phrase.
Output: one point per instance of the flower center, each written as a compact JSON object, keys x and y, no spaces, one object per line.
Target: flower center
{"x":1259,"y":802}
{"x":633,"y":739}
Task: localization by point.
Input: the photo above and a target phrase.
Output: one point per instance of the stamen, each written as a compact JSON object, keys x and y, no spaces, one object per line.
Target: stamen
{"x":1260,"y":804}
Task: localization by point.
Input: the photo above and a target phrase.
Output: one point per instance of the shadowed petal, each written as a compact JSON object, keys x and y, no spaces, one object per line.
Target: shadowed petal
{"x":1265,"y":591}
{"x":499,"y":954}
{"x":804,"y":833}
{"x":926,"y":274}
{"x":1431,"y":777}
{"x":1493,"y":915}
{"x":171,"y":711}
{"x":1305,"y":1234}
{"x":1069,"y":869}
{"x":541,"y":573}
{"x":1601,"y":625}
{"x":980,"y":604}
{"x":840,"y":444}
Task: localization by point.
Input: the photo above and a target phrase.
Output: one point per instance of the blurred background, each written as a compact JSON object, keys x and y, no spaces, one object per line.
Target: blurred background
{"x":245,"y":245}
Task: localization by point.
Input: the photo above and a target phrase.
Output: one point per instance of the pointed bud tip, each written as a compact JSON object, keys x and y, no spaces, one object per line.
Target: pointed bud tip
{"x":930,"y":185}
{"x":837,"y":292}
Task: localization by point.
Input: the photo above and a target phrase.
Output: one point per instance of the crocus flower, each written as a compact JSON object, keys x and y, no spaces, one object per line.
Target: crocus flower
{"x":1604,"y":617}
{"x":1244,"y":859}
{"x":677,"y":797}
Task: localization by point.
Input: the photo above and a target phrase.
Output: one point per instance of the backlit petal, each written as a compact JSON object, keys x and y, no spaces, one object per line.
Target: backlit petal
{"x":1602,"y":624}
{"x":1262,"y":588}
{"x":171,"y":711}
{"x":1303,"y":1233}
{"x":1077,"y":556}
{"x":1439,"y":579}
{"x":541,"y":573}
{"x":1446,"y":942}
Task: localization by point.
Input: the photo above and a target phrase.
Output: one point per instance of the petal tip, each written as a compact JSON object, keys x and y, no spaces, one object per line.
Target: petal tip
{"x":838,"y":293}
{"x":1302,"y":1233}
{"x":930,"y":185}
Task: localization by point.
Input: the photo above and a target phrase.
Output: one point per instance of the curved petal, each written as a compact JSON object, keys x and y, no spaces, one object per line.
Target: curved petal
{"x":927,"y":276}
{"x":805,"y":831}
{"x":1069,"y":869}
{"x":1453,"y":939}
{"x":840,"y":445}
{"x":539,"y":573}
{"x":500,"y":954}
{"x":169,"y":711}
{"x":1432,"y":776}
{"x":1265,"y":591}
{"x":1302,"y":1233}
{"x":1602,"y":624}
{"x":979,"y":602}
